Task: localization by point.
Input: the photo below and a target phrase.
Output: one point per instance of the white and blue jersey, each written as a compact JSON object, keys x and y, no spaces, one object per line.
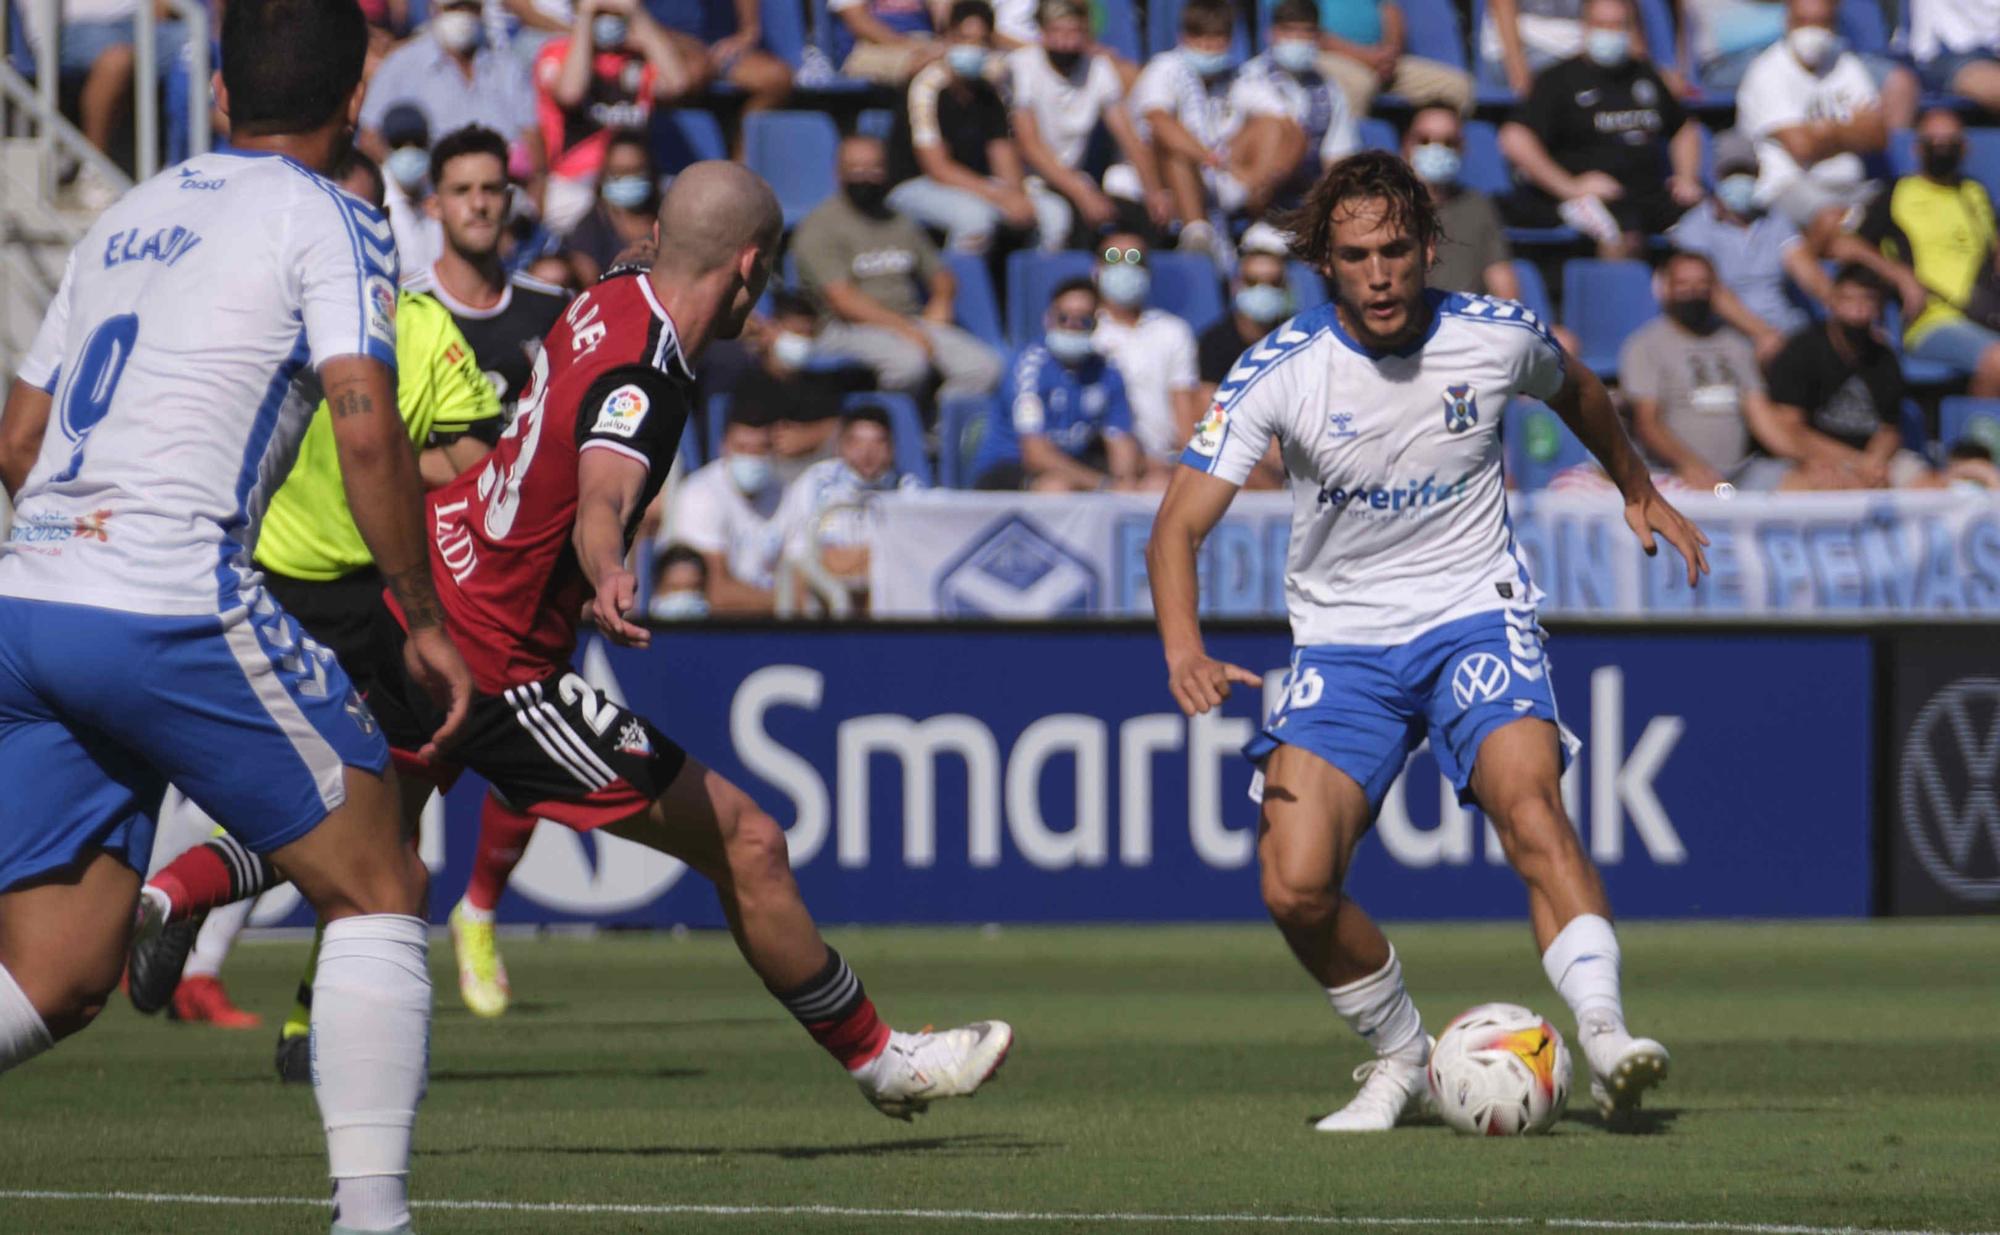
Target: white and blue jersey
{"x":137,"y":645}
{"x":1075,"y":407}
{"x":1410,"y":602}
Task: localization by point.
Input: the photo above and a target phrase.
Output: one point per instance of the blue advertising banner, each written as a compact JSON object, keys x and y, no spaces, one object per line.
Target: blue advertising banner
{"x":941,"y":775}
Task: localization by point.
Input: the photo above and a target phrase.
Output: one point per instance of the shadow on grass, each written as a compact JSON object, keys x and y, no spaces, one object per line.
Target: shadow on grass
{"x":450,"y":1076}
{"x":1642,"y":1122}
{"x":969,"y":1145}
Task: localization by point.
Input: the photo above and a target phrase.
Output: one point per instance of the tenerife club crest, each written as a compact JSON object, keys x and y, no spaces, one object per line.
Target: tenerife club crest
{"x":1461,"y":408}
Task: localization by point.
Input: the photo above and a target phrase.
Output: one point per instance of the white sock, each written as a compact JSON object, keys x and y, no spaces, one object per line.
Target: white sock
{"x":22,"y":1033}
{"x":473,"y":913}
{"x":217,"y":935}
{"x":1380,"y":1009}
{"x":1582,"y":964}
{"x":371,"y":1018}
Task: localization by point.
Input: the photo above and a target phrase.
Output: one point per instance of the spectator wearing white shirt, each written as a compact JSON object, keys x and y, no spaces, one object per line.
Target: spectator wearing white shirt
{"x":1956,"y":44}
{"x":726,"y":512}
{"x":1813,"y":111}
{"x":825,"y":511}
{"x":406,"y":187}
{"x":1290,"y":68}
{"x":1218,"y":143}
{"x":1152,"y":350}
{"x":1062,"y":89}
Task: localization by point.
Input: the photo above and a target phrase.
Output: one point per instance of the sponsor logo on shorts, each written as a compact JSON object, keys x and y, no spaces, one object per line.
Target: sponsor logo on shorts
{"x":357,"y":709}
{"x":624,"y":410}
{"x":1479,"y":678}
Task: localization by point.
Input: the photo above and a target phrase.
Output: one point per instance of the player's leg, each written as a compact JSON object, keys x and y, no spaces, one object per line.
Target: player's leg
{"x":714,"y":827}
{"x":62,"y":947}
{"x":175,"y":909}
{"x":482,"y":976}
{"x":201,"y":996}
{"x":1313,"y":818}
{"x":1516,"y":780}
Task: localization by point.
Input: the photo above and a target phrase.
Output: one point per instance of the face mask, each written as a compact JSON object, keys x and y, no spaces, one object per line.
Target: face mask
{"x":457,"y":30}
{"x":1065,"y":62}
{"x":1696,"y":315}
{"x":1737,"y":193}
{"x":966,"y":60}
{"x":608,"y":30}
{"x":1206,"y":63}
{"x":1124,"y":285}
{"x":751,"y":474}
{"x":628,"y":192}
{"x":1295,"y":55}
{"x":678,"y":606}
{"x":1941,"y":162}
{"x":408,"y":165}
{"x":1857,"y":337}
{"x":1263,"y":303}
{"x":1068,"y":346}
{"x":867,"y":195}
{"x":1436,"y":163}
{"x":792,"y":350}
{"x":1607,"y":48}
{"x":1813,"y":45}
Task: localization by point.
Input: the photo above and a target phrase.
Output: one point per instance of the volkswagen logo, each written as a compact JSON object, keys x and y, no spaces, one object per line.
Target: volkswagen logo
{"x":1951,"y":760}
{"x":1478,"y":678}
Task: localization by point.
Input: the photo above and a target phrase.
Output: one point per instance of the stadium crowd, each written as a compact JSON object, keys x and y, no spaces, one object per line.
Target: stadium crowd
{"x":1027,"y":242}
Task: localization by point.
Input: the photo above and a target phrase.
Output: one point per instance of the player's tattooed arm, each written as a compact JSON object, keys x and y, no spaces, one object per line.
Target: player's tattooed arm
{"x":417,"y":596}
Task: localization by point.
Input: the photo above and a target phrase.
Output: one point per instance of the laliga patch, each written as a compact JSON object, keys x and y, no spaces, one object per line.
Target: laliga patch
{"x":623,"y":412}
{"x":381,"y":310}
{"x":1208,"y":433}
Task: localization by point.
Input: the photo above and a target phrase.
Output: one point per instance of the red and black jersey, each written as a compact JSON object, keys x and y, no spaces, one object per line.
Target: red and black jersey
{"x":610,"y":377}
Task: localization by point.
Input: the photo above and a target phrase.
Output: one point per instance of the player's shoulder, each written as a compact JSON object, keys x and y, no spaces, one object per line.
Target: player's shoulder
{"x":538,"y":292}
{"x":1490,"y":316}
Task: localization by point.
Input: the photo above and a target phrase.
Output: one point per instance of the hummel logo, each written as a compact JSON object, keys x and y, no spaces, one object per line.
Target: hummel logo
{"x":1343,"y":425}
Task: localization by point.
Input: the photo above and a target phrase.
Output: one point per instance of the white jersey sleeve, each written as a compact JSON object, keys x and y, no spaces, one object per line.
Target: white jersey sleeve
{"x":346,"y":254}
{"x":1252,"y":405}
{"x":1539,"y":365}
{"x":43,"y":364}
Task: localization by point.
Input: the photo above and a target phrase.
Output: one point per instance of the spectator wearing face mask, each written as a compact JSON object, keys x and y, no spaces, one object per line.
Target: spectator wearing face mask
{"x":1933,"y":234}
{"x":406,"y":187}
{"x":952,"y":158}
{"x":883,"y":287}
{"x":1062,"y":424}
{"x":605,"y":76}
{"x":1814,"y":112}
{"x":1291,"y":69}
{"x":680,"y":586}
{"x":724,"y":512}
{"x":453,"y":79}
{"x":1260,"y":299}
{"x":1218,"y":143}
{"x":1758,"y":256}
{"x":1725,"y":37}
{"x":1363,"y":49}
{"x":1603,"y":145}
{"x":794,"y":385}
{"x":1062,"y":89}
{"x":1152,"y":350}
{"x":628,"y":197}
{"x":825,"y":511}
{"x":1474,"y":255}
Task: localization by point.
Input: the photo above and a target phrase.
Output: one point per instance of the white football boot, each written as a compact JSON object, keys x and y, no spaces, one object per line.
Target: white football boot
{"x":1391,"y":1089}
{"x":917,"y":1069}
{"x":1622,"y":1067}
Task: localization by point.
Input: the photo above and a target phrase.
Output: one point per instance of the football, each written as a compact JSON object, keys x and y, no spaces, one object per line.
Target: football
{"x":1500,"y":1070}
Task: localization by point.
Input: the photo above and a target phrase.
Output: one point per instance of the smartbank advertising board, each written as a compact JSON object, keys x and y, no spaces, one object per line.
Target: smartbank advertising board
{"x":953,"y":775}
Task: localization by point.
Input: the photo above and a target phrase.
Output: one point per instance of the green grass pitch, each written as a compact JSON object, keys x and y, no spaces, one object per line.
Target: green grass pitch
{"x":1826,"y":1077}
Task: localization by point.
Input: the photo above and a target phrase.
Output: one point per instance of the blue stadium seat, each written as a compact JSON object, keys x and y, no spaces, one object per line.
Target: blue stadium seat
{"x":784,"y":30}
{"x":1489,"y":87}
{"x":794,"y":151}
{"x":1656,"y":18}
{"x":1484,"y":167}
{"x":1604,"y":302}
{"x":684,"y":135}
{"x":1118,"y":29}
{"x":1308,"y":286}
{"x":1433,"y":31}
{"x":877,"y":122}
{"x":1163,"y":30}
{"x":1183,"y":283}
{"x":1536,"y":444}
{"x":692,"y":454}
{"x":958,"y":419}
{"x":1862,"y":25}
{"x":906,"y":426}
{"x":1915,"y":431}
{"x":1915,"y":372}
{"x":1378,"y":134}
{"x":18,"y":56}
{"x":975,"y":307}
{"x":1962,"y":417}
{"x":1534,"y":290}
{"x":718,"y":416}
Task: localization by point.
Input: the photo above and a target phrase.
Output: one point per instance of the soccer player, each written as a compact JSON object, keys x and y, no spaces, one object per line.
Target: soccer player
{"x":526,"y":544}
{"x":317,"y":566}
{"x":1411,"y":608}
{"x":195,"y":328}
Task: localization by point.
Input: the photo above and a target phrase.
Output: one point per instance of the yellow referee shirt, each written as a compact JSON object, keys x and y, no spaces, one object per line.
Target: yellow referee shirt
{"x":308,"y":532}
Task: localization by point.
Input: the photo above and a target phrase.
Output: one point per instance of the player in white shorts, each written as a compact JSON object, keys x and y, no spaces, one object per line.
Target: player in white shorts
{"x":1411,"y":609}
{"x":197,"y":325}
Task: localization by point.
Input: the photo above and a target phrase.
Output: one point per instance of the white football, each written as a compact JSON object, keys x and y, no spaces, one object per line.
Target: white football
{"x":1500,"y":1070}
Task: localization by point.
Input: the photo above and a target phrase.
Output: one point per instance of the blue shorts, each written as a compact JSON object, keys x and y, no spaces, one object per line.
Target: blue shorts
{"x":1364,"y":709}
{"x":100,"y":710}
{"x":1940,"y":71}
{"x":1956,"y":344}
{"x":84,"y":41}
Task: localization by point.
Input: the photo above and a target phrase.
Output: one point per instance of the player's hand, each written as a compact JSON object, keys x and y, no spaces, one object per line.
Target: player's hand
{"x":434,"y":664}
{"x":617,"y":596}
{"x":1651,"y":513}
{"x":1200,"y":682}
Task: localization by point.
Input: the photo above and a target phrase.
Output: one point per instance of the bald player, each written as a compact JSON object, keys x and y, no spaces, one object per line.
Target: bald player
{"x":539,"y":535}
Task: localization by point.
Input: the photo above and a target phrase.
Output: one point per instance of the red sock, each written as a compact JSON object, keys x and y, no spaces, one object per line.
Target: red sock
{"x":210,"y":875}
{"x":854,"y":1039}
{"x":838,"y":1013}
{"x":503,"y":837}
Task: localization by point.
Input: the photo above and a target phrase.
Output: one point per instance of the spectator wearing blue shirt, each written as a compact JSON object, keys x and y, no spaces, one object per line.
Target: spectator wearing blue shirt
{"x":1063,"y":424}
{"x":449,"y":75}
{"x":1756,"y":253}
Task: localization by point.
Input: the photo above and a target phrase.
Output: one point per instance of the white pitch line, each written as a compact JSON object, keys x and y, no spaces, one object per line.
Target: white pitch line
{"x":1328,"y":1221}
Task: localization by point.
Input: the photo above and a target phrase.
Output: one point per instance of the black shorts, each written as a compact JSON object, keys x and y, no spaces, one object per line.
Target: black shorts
{"x":557,"y":748}
{"x":343,"y":615}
